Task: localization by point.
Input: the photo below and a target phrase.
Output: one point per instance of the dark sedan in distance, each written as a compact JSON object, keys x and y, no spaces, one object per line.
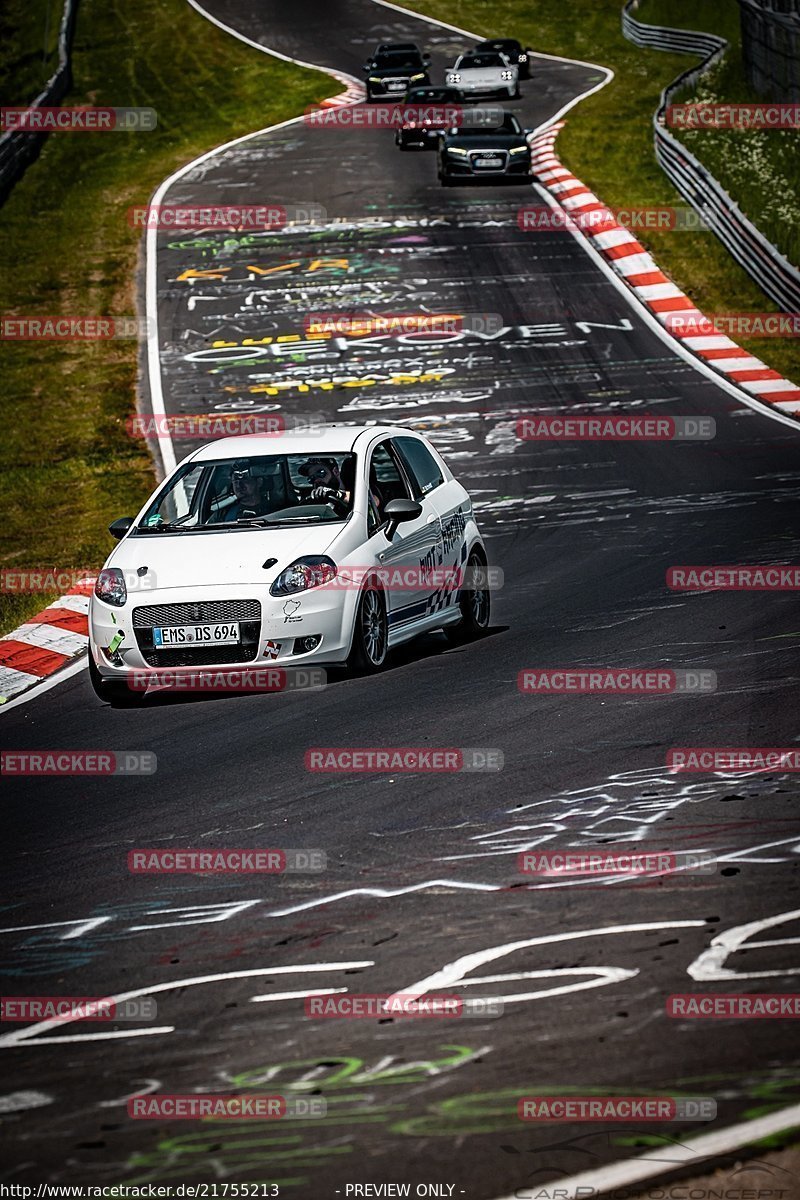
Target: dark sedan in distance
{"x":517,"y":54}
{"x":394,"y":68}
{"x":427,"y":116}
{"x":495,"y":154}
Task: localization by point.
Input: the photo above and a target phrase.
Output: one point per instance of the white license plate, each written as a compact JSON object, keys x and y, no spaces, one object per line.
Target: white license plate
{"x":396,"y":87}
{"x":488,"y":162}
{"x":167,"y":636}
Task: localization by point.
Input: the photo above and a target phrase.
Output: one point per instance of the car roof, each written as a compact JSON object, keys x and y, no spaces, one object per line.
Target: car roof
{"x":331,"y":438}
{"x":398,"y":46}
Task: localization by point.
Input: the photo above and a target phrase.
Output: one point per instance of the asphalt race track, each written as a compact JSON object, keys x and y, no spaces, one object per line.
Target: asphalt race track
{"x":422,"y":869}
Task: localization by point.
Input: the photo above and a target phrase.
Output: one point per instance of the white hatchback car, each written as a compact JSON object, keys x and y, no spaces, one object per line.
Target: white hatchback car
{"x":326,"y":548}
{"x":484,"y":73}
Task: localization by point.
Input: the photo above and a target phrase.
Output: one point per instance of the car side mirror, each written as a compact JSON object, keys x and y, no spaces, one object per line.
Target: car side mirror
{"x":368,"y":66}
{"x":426,"y":58}
{"x":400,"y":510}
{"x":120,"y":527}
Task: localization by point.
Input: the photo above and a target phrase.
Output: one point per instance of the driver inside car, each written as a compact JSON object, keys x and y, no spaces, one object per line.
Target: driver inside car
{"x":335,"y":486}
{"x":327,"y":485}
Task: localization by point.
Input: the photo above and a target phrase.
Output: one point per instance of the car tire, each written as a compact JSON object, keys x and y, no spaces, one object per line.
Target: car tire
{"x":370,"y":633}
{"x":112,"y":691}
{"x":475,"y":605}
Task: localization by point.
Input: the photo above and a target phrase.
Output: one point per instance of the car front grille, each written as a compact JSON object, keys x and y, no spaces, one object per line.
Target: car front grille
{"x":477,"y":154}
{"x":203,"y":612}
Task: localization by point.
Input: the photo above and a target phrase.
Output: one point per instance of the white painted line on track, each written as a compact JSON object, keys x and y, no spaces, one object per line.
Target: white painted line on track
{"x":601,"y":1180}
{"x":28,"y":1035}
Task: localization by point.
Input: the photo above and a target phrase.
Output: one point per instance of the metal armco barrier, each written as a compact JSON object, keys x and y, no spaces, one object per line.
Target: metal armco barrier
{"x":19,"y":149}
{"x":762,"y":261}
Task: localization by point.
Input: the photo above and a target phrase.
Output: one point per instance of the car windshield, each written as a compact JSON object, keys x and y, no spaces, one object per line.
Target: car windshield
{"x":479,"y":62}
{"x":399,"y":62}
{"x":268,"y":490}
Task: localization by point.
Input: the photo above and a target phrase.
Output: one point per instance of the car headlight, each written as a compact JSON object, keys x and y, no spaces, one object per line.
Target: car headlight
{"x":312,"y":571}
{"x":455,"y":150}
{"x":110,"y":587}
{"x":375,"y":79}
{"x":414,"y":78}
{"x":519,"y":150}
{"x":506,"y":74}
{"x":454,"y":77}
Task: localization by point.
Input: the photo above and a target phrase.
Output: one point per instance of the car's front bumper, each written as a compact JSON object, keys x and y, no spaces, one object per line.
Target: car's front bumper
{"x":325,"y":613}
{"x":382,"y":91}
{"x":475,"y":90}
{"x":518,"y":172}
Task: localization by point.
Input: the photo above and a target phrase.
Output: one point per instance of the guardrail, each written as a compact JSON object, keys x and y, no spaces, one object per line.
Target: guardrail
{"x":759,"y":257}
{"x":18,"y":149}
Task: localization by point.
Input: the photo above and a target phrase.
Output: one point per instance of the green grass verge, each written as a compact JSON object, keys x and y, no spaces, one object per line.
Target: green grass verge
{"x":28,"y":47}
{"x":66,"y":248}
{"x":760,"y":169}
{"x":608,"y":140}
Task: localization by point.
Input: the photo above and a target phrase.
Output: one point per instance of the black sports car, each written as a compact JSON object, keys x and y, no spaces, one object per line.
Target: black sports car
{"x":394,"y":68}
{"x":426,"y":116}
{"x":499,"y":154}
{"x":520,"y":56}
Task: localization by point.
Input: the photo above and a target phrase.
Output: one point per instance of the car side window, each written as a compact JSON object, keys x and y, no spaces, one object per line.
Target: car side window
{"x":386,"y":482}
{"x":425,"y":472}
